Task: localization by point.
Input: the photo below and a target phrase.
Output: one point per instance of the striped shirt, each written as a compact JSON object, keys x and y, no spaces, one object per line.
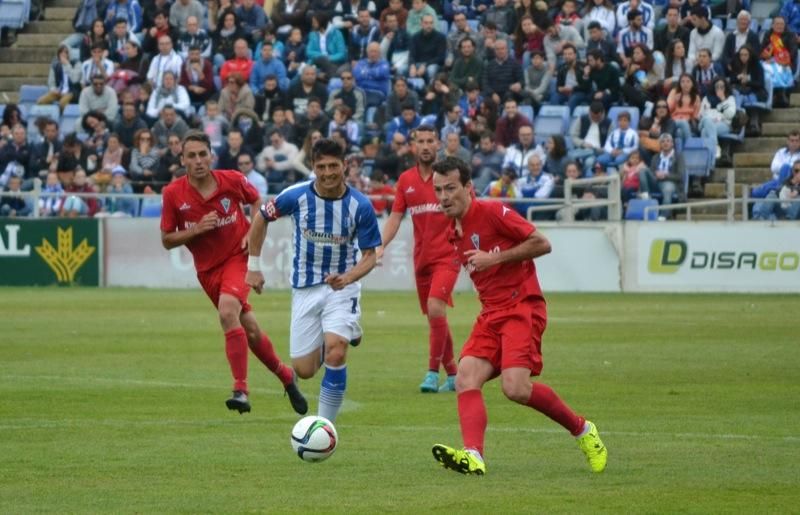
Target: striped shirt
{"x":328,"y":233}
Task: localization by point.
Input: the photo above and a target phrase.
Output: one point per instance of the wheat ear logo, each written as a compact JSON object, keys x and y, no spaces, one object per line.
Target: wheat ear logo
{"x":65,"y":261}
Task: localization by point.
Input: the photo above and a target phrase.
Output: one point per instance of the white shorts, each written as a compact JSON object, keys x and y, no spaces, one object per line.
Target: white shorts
{"x":320,"y":309}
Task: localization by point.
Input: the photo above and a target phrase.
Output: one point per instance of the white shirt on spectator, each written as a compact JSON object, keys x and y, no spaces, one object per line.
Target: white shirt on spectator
{"x":162,"y":63}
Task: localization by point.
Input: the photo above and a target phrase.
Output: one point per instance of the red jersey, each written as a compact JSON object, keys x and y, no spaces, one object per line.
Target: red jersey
{"x":184,"y":207}
{"x":416,"y":195}
{"x":494,"y":227}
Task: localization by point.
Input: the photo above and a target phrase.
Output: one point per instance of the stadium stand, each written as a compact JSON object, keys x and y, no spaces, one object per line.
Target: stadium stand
{"x":30,"y":45}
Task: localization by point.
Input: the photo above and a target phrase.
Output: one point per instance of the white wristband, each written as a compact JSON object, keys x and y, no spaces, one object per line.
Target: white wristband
{"x":254,"y":264}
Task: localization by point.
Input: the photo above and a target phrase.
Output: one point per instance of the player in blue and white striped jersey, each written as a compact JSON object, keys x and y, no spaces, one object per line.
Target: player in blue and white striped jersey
{"x":333,"y":224}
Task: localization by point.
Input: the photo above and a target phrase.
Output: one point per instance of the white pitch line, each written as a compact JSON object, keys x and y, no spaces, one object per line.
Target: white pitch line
{"x":348,"y":406}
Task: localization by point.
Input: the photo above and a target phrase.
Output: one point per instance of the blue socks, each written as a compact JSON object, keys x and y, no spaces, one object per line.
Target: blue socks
{"x":331,"y":392}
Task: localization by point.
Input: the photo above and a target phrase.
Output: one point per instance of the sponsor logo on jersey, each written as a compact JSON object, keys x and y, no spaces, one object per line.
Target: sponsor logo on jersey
{"x":505,"y":210}
{"x":410,"y":189}
{"x":325,"y":238}
{"x":221,"y":222}
{"x":185,"y":207}
{"x":226,"y":203}
{"x":432,"y":207}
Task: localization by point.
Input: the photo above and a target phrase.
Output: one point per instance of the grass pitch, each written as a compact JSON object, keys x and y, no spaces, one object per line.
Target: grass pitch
{"x":111,"y":401}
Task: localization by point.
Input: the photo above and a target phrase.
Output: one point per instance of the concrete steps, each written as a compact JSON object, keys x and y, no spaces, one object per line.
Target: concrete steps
{"x":778,"y":128}
{"x":752,"y":159}
{"x":701,"y":217}
{"x":9,"y":97}
{"x":64,"y":3}
{"x":716,"y":190}
{"x":32,"y":39}
{"x":787,"y":115}
{"x":743,"y":175}
{"x":49,"y":27}
{"x":762,"y":144}
{"x":60,"y":13}
{"x":24,"y":70}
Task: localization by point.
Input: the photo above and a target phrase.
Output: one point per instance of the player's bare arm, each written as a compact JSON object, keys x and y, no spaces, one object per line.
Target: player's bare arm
{"x":255,"y":241}
{"x":170,"y":240}
{"x":390,"y":229}
{"x":363,"y":267}
{"x":534,"y":246}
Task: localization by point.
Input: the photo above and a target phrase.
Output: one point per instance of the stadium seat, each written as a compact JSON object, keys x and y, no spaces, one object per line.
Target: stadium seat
{"x":580,"y":111}
{"x":634,"y":112}
{"x":473,"y":24}
{"x":719,"y":22}
{"x":429,"y":119}
{"x":527,"y":111}
{"x":29,"y":94}
{"x":14,"y":14}
{"x":151,"y":208}
{"x":548,"y":126}
{"x":2,"y":109}
{"x":443,"y":27}
{"x":370,"y":114}
{"x":697,"y":163}
{"x":554,"y":110}
{"x":636,"y":209}
{"x":334,"y":84}
{"x":69,"y":119}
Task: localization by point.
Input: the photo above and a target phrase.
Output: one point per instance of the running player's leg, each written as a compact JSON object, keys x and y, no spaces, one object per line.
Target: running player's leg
{"x":262,"y":347}
{"x":522,"y":336}
{"x":305,"y":334}
{"x":442,"y":282}
{"x":340,"y":325}
{"x":229,"y":308}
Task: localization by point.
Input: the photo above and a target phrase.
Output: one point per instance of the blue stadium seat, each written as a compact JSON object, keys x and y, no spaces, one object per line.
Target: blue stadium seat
{"x":697,"y":161}
{"x":151,"y":208}
{"x":70,"y":119}
{"x":580,"y":111}
{"x":14,"y":14}
{"x":334,"y":84}
{"x":636,"y":208}
{"x":429,"y":119}
{"x":473,"y":24}
{"x":527,"y":111}
{"x":443,"y":27}
{"x":29,"y":94}
{"x":634,"y":112}
{"x":370,"y":114}
{"x":548,"y":126}
{"x":2,"y":109}
{"x":555,"y":110}
{"x":719,"y":22}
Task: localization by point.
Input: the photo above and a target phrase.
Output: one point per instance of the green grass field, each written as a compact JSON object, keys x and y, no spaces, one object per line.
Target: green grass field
{"x":111,"y":401}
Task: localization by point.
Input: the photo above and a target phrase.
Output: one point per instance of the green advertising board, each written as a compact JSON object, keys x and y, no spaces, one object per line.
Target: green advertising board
{"x":49,"y":252}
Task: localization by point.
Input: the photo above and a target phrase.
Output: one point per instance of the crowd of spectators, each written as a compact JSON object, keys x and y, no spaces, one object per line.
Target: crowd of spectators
{"x":266,"y":81}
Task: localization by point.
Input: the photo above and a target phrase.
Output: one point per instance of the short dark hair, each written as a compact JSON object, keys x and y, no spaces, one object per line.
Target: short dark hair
{"x":425,"y":128}
{"x":326,"y":147}
{"x":699,"y":10}
{"x":597,"y":107}
{"x":408,"y":105}
{"x":595,"y":25}
{"x":198,"y":136}
{"x":449,"y":163}
{"x":597,"y":54}
{"x":633,"y":13}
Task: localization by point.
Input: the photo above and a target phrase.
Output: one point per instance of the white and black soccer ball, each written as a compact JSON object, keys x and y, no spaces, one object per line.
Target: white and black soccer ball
{"x":314,"y":438}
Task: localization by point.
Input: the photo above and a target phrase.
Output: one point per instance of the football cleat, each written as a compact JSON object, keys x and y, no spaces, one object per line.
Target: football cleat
{"x":355,"y":342}
{"x":296,"y":398}
{"x":460,"y":460}
{"x":431,"y":383}
{"x":449,"y":384}
{"x":238,"y":402}
{"x":591,"y":445}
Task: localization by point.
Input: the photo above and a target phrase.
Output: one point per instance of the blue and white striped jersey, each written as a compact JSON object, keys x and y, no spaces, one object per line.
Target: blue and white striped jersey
{"x":328,"y":233}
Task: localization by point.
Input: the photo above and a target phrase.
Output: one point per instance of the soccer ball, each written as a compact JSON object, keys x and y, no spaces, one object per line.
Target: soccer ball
{"x":314,"y":438}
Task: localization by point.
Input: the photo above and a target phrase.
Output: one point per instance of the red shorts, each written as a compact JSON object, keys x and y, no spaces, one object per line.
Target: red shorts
{"x":510,"y":338}
{"x":437,"y":283}
{"x":227,"y":277}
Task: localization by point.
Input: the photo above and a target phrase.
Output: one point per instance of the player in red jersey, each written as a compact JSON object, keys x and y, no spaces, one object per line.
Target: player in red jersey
{"x":203,"y":210}
{"x":435,"y":266}
{"x":497,"y":247}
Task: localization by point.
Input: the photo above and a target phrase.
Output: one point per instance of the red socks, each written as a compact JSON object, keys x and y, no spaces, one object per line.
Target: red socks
{"x":236,"y":350}
{"x":440,"y":343}
{"x":472,"y":416}
{"x":265,"y":352}
{"x":544,"y":400}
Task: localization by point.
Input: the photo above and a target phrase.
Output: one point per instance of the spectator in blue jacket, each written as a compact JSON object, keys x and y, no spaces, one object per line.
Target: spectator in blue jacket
{"x":129,"y":10}
{"x":791,"y":13}
{"x":253,"y":19}
{"x":326,"y":47}
{"x":405,"y":123}
{"x":266,"y":66}
{"x":374,"y":74}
